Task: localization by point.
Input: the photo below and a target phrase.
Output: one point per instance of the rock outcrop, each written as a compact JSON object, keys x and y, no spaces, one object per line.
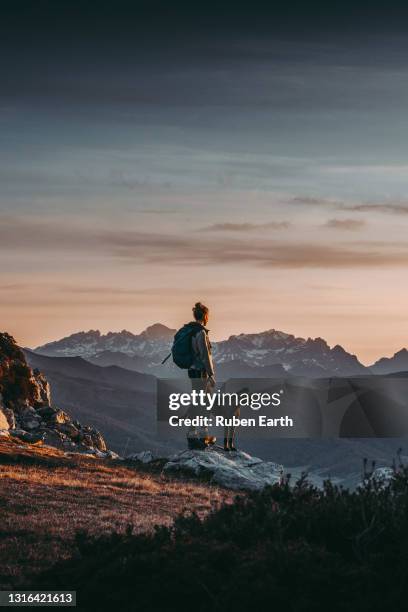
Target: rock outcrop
{"x":236,"y":470}
{"x":4,"y":423}
{"x":26,"y":411}
{"x":382,"y":477}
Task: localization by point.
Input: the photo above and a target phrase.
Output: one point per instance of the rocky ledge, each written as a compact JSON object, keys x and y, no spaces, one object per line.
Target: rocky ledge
{"x":235,"y":470}
{"x":26,"y":411}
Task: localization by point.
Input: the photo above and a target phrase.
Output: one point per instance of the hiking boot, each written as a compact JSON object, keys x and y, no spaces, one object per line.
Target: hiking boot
{"x":196,"y":444}
{"x":231,"y":445}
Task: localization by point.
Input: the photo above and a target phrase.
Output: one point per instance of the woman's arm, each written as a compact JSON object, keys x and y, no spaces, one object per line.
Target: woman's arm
{"x":204,"y":350}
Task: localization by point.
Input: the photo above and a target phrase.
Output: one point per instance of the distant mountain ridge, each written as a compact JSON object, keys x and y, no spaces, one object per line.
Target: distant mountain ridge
{"x":91,"y":343}
{"x":268,"y":353}
{"x":297,"y":356}
{"x":387,"y":365}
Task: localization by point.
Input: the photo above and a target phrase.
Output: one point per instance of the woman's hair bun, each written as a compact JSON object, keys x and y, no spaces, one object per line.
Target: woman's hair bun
{"x":199,"y":311}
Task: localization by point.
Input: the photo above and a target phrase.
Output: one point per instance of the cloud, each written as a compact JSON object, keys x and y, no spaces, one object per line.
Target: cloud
{"x":347,"y":225}
{"x":313,"y":201}
{"x":13,"y":287}
{"x":395,"y":209}
{"x":33,"y":237}
{"x":44,"y":233}
{"x":172,"y":250}
{"x":382,"y":207}
{"x":159,"y":211}
{"x":246,"y":227}
{"x":114,"y":291}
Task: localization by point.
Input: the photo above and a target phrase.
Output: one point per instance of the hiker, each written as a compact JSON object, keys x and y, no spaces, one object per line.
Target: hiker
{"x":201,"y":371}
{"x":202,"y":366}
{"x":191,"y":351}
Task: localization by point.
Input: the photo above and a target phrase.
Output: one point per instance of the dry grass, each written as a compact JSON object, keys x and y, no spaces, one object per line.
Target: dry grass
{"x":46,"y":497}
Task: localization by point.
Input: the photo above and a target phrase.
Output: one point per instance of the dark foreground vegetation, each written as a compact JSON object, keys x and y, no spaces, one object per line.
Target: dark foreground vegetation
{"x":289,"y":549}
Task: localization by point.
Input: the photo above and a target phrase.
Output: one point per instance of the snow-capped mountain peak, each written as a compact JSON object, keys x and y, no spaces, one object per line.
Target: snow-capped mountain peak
{"x":264,"y":353}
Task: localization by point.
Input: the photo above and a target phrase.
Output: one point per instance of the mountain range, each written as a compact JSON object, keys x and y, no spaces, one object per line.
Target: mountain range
{"x":121,"y":403}
{"x":122,"y":406}
{"x":264,"y":354}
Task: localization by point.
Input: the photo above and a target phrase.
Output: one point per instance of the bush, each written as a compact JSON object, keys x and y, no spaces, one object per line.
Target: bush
{"x":297,"y":549}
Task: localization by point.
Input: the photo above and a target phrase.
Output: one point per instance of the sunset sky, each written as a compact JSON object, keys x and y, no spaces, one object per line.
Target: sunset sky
{"x":255,"y":161}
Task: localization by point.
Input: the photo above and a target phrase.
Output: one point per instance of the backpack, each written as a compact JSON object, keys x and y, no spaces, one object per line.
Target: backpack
{"x":182,"y":351}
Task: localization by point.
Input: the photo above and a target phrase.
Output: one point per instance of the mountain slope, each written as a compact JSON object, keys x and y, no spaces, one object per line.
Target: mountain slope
{"x":387,"y":365}
{"x":120,"y":403}
{"x":77,"y":367}
{"x":122,"y":360}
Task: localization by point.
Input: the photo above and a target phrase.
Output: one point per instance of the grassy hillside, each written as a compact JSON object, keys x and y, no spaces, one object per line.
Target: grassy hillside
{"x":46,"y":497}
{"x":284,"y":549}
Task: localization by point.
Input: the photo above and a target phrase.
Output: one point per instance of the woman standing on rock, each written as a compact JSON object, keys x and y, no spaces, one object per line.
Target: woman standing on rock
{"x":192,"y":351}
{"x":201,"y":371}
{"x":201,"y":374}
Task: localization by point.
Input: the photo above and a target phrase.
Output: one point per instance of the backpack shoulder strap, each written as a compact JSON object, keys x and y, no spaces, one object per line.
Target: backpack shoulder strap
{"x":193,"y":328}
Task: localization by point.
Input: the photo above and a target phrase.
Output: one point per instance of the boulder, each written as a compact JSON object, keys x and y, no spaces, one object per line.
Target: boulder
{"x":98,"y":441}
{"x":30,"y":424}
{"x":237,"y":470}
{"x":4,"y":424}
{"x":68,"y":429}
{"x":42,"y":391}
{"x":87,"y":440}
{"x":60,"y":417}
{"x":47,"y":412}
{"x":144,"y":456}
{"x":11,"y":419}
{"x":27,"y":412}
{"x":382,"y":476}
{"x":31,"y":438}
{"x":69,"y":444}
{"x":52,"y":438}
{"x":93,"y":452}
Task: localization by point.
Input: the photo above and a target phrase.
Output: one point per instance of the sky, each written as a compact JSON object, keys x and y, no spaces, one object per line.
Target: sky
{"x":248,"y":155}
